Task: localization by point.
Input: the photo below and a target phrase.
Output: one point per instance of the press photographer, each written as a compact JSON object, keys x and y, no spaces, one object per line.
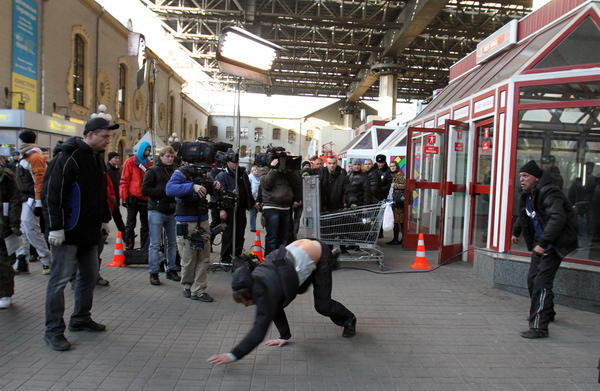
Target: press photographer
{"x":279,"y":187}
{"x":189,"y":185}
{"x":246,"y":201}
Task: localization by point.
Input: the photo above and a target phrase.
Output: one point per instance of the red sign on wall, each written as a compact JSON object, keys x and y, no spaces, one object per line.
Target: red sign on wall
{"x":459,"y":147}
{"x":486,"y":145}
{"x":429,"y":150}
{"x":431,"y":139}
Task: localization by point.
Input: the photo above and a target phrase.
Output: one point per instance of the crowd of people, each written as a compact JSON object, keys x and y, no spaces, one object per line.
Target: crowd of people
{"x":57,"y":210}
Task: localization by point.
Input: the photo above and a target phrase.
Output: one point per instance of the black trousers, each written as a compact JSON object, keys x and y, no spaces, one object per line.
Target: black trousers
{"x":322,"y":282}
{"x":227,"y":243}
{"x":540,"y":280}
{"x":135,"y":206}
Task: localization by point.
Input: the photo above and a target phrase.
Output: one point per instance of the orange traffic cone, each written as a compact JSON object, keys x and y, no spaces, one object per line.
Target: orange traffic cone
{"x":420,"y":259}
{"x":257,"y":247}
{"x":119,"y":254}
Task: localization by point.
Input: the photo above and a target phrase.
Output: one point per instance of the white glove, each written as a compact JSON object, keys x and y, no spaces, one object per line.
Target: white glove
{"x":56,"y":238}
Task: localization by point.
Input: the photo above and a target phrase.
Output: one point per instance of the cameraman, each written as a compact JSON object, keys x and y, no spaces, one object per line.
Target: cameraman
{"x":245,"y":201}
{"x":279,"y":188}
{"x":191,"y":211}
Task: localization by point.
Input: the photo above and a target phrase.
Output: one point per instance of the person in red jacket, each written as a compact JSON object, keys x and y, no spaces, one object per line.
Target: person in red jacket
{"x":130,"y":190}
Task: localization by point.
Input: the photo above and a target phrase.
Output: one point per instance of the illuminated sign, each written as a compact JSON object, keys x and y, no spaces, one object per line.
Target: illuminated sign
{"x":61,"y":126}
{"x":498,"y":42}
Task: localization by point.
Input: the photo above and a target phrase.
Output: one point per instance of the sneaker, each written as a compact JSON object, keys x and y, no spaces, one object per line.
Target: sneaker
{"x":58,"y":342}
{"x":45,"y":269}
{"x":349,"y":328}
{"x":154,"y":279}
{"x":187,"y":293}
{"x":205,"y":297}
{"x":5,"y":302}
{"x":173,"y":276}
{"x":90,"y":325}
{"x":101,"y":281}
{"x":22,"y":265}
{"x":535,"y":333}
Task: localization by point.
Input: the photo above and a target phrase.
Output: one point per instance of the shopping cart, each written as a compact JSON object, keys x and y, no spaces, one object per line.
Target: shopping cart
{"x":357,"y":228}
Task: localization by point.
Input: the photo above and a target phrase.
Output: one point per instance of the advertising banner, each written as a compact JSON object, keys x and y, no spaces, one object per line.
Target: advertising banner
{"x":24,"y":54}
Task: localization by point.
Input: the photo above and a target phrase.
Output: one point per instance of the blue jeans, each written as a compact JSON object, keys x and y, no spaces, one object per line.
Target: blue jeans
{"x":66,"y":260}
{"x":277,"y":225}
{"x":158,"y":221}
{"x":252,"y":218}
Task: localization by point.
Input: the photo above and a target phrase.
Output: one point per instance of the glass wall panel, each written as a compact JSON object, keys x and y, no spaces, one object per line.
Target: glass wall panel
{"x":566,"y":142}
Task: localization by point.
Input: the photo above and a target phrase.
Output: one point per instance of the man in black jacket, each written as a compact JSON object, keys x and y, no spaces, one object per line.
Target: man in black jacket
{"x":547,"y":222}
{"x":385,"y":177}
{"x":373,"y":177}
{"x":334,"y":184}
{"x":75,"y":211}
{"x":245,"y":201}
{"x":358,"y":192}
{"x":113,"y":169}
{"x":161,"y":215}
{"x":273,"y":285}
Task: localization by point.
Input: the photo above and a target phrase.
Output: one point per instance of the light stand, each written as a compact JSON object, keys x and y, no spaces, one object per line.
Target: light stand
{"x":245,"y":55}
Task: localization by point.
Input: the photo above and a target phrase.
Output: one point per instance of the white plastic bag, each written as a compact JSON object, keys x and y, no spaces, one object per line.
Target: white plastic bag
{"x":388,"y":217}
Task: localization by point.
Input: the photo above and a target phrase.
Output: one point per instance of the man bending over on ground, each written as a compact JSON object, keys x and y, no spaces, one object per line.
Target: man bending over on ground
{"x":273,"y":285}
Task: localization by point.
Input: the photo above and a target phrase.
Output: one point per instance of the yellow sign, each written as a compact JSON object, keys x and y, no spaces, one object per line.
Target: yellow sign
{"x":61,"y":127}
{"x":24,"y":91}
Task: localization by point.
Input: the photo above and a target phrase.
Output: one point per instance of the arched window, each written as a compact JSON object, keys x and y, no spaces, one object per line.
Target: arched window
{"x":79,"y":70}
{"x":183,"y":135}
{"x":196,"y":130}
{"x":122,"y":92}
{"x":243,"y":151}
{"x":171,"y":113}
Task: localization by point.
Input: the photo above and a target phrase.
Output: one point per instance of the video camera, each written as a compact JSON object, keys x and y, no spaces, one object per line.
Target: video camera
{"x":205,"y":152}
{"x":285,"y":161}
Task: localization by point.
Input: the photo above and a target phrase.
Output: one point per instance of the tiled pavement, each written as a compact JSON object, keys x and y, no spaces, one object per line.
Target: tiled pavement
{"x":443,"y":330}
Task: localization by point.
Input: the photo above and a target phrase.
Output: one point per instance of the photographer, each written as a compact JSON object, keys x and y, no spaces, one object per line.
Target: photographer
{"x":191,"y":214}
{"x":161,"y":216}
{"x":245,"y":201}
{"x":279,"y":188}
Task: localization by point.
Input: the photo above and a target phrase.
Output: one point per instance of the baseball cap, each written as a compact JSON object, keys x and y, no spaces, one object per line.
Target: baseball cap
{"x":98,"y":123}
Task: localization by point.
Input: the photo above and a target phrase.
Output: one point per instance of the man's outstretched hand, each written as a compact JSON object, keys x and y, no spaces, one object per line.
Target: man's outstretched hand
{"x":276,"y":342}
{"x":220,"y":359}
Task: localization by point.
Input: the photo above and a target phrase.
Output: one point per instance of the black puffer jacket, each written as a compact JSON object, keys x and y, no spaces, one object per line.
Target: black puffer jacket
{"x":333,"y":189}
{"x":385,"y":182}
{"x":374,"y":181}
{"x":74,"y":194}
{"x":556,"y":214}
{"x":275,"y":286}
{"x":358,"y":191}
{"x":154,"y":186}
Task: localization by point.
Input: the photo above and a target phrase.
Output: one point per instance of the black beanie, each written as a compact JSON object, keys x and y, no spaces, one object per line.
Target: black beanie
{"x":112,"y":155}
{"x":27,"y":136}
{"x":532,"y":168}
{"x":241,"y":279}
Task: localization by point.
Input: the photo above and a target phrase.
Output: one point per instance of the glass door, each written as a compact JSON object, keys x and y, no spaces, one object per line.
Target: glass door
{"x":479,"y":187}
{"x":422,"y":211}
{"x":454,"y":189}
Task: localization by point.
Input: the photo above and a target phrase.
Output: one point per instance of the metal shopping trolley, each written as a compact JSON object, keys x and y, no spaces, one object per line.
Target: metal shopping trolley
{"x":357,"y":228}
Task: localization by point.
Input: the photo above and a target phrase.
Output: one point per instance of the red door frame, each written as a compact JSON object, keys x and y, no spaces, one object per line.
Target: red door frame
{"x":449,"y":252}
{"x":409,"y":240}
{"x":515,"y":133}
{"x":474,"y":188}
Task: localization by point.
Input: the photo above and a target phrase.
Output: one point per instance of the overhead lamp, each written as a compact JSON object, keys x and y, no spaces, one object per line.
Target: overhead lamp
{"x":241,"y":53}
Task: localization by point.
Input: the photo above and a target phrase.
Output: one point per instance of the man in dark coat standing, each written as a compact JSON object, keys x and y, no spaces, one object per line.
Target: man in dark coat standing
{"x":548,"y":224}
{"x":333,"y":183}
{"x":75,"y":211}
{"x":385,"y":177}
{"x":113,"y":169}
{"x":358,"y":192}
{"x":274,"y":284}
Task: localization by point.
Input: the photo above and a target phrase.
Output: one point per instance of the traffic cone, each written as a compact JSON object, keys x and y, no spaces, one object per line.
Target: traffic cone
{"x":257,"y":247}
{"x":420,"y":259}
{"x":119,"y":254}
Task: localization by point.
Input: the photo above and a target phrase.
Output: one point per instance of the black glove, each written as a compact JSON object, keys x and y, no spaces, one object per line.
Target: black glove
{"x":37,"y":211}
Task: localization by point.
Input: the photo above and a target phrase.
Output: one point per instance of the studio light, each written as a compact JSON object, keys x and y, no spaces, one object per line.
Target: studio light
{"x":241,"y":53}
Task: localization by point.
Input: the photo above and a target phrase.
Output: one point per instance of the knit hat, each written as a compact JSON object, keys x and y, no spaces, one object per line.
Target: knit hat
{"x":112,"y":155}
{"x":532,"y":168}
{"x":241,"y":279}
{"x":28,"y":136}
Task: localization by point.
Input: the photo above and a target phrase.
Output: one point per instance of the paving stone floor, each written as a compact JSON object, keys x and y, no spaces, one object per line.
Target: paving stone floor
{"x":442,"y":330}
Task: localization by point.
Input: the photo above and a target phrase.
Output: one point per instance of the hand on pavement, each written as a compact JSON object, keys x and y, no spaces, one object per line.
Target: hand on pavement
{"x":220,"y":359}
{"x":276,"y":342}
